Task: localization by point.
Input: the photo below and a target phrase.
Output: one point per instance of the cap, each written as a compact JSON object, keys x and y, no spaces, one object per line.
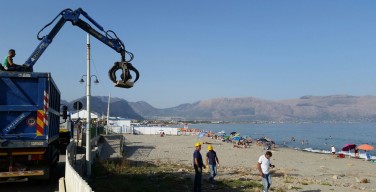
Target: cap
{"x":210,"y":147}
{"x":198,"y":144}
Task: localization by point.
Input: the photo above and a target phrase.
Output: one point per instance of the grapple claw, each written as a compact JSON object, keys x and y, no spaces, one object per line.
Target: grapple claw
{"x":125,"y":77}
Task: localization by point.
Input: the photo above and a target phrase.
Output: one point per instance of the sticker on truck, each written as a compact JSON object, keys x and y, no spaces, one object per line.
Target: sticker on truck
{"x":31,"y":121}
{"x":40,"y":123}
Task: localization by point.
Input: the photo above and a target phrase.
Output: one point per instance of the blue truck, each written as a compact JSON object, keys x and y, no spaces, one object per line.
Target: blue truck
{"x":29,"y":124}
{"x":30,"y":107}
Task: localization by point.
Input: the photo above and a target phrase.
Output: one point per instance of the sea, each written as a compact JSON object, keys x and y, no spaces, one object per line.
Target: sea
{"x":311,"y":137}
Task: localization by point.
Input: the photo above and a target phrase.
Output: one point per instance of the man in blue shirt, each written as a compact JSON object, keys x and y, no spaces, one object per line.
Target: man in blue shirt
{"x":198,"y":164}
{"x":211,"y":161}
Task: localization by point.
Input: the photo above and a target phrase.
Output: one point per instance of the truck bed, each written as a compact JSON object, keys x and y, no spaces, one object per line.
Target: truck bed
{"x":29,"y":110}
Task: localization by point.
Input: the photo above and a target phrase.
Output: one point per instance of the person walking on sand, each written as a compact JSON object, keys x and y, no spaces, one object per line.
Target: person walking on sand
{"x":356,"y":151}
{"x":263,"y":166}
{"x":211,"y":162}
{"x":333,"y":149}
{"x":198,"y":164}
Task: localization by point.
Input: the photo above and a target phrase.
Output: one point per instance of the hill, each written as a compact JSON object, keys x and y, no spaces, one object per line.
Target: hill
{"x":306,"y":108}
{"x":99,"y":105}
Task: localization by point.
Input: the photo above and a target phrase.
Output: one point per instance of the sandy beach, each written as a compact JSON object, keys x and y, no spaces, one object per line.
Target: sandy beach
{"x":295,"y":170}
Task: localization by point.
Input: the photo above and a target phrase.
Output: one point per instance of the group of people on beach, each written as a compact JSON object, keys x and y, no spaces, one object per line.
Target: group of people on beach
{"x":243,"y":142}
{"x":212,"y":162}
{"x":356,"y":153}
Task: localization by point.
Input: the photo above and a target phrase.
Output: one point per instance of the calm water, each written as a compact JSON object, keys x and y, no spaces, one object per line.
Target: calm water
{"x":316,"y":136}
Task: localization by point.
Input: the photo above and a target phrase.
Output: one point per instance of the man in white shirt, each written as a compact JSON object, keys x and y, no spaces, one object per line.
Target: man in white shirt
{"x":333,"y":151}
{"x":263,"y":167}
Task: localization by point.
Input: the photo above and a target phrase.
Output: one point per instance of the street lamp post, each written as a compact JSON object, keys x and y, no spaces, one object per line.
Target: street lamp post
{"x":83,"y":81}
{"x":88,"y":117}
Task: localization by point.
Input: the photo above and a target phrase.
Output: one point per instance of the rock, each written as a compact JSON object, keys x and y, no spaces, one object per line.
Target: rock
{"x":364,"y":180}
{"x":357,"y":179}
{"x":335,"y":177}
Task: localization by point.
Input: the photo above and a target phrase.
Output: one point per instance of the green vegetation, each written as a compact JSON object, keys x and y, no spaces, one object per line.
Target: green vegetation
{"x":277,"y":190}
{"x":289,"y":179}
{"x":326,"y":183}
{"x":296,"y":188}
{"x":124,"y":175}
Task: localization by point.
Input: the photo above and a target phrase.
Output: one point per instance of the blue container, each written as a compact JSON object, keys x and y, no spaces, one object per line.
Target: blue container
{"x":29,"y":110}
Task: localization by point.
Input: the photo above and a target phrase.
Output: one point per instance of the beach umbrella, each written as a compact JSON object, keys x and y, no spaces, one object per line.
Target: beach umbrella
{"x":366,"y":147}
{"x":262,"y":140}
{"x":237,"y":138}
{"x":348,"y":147}
{"x":200,"y":135}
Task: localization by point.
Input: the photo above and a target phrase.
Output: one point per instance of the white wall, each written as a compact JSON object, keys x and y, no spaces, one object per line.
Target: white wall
{"x":119,"y":126}
{"x":155,"y":130}
{"x":120,"y":129}
{"x":126,"y":123}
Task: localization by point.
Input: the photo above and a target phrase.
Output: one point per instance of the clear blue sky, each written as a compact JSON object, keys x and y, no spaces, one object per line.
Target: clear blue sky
{"x":191,"y":50}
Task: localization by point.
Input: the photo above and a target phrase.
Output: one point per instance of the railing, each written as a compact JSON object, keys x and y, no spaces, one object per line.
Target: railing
{"x":73,"y":181}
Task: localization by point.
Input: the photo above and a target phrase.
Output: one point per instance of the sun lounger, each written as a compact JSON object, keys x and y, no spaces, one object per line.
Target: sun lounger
{"x":368,"y":157}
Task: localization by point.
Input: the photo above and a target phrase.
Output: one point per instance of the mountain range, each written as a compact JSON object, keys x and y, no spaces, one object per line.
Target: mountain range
{"x":307,"y":108}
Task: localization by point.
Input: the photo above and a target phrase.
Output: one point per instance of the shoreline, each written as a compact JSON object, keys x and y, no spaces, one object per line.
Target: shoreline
{"x":319,"y":151}
{"x":294,"y":168}
{"x":301,"y":143}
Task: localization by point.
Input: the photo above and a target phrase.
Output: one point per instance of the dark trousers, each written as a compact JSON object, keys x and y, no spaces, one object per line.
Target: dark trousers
{"x":18,"y":68}
{"x":14,"y":68}
{"x":198,"y":178}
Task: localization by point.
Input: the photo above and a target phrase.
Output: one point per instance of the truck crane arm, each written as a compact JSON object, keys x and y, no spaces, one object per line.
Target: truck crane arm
{"x":104,"y":36}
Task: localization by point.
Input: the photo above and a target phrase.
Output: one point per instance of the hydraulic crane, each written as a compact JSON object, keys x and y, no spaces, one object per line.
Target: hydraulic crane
{"x":115,"y":43}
